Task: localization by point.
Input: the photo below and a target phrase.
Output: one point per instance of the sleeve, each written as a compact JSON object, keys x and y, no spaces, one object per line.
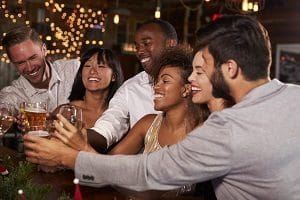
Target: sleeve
{"x":205,"y":154}
{"x":10,"y":94}
{"x":114,"y":122}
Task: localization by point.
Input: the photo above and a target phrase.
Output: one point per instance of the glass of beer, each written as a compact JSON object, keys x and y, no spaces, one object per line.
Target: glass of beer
{"x":36,"y":116}
{"x":73,"y":114}
{"x":6,"y":117}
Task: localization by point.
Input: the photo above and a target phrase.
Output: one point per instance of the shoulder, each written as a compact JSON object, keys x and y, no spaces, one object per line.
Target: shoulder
{"x":66,"y":65}
{"x":16,"y":86}
{"x":138,"y":79}
{"x":146,"y":121}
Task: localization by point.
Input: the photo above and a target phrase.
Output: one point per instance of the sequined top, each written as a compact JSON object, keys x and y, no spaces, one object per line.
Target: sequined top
{"x":152,"y":144}
{"x":151,"y":138}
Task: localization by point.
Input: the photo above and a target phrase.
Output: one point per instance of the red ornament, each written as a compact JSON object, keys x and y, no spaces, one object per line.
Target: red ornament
{"x":3,"y":170}
{"x":77,"y":193}
{"x":216,"y":16}
{"x":22,"y":195}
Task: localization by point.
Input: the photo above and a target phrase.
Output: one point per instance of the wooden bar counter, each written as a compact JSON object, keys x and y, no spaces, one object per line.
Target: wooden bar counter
{"x":63,"y":181}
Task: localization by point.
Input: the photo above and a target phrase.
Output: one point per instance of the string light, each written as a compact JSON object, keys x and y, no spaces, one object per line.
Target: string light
{"x":77,"y":21}
{"x":116,"y":19}
{"x":244,"y":6}
{"x":18,"y":14}
{"x":157,"y":11}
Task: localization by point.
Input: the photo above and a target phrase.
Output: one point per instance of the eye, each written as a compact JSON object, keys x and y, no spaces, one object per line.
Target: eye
{"x":20,"y":63}
{"x":86,"y":65}
{"x":147,"y":43}
{"x":34,"y":57}
{"x":165,"y":80}
{"x":101,"y":66}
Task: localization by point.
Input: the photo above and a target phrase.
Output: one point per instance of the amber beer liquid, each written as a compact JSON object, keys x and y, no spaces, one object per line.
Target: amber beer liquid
{"x":36,"y":118}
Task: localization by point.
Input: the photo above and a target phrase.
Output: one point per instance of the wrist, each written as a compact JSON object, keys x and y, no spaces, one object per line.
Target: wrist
{"x":68,"y":158}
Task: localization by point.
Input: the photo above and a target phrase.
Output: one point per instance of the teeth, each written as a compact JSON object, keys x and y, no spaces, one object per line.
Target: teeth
{"x":34,"y":73}
{"x":158,"y":96}
{"x":145,"y":60}
{"x":94,"y":79}
{"x":195,"y":88}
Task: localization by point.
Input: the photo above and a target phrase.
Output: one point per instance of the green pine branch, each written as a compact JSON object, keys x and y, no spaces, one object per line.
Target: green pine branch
{"x":19,"y":177}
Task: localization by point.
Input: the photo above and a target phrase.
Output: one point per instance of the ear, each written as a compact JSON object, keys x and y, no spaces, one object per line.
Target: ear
{"x":171,"y":43}
{"x":44,"y":49}
{"x":231,"y":69}
{"x":186,"y":90}
{"x":113,"y":78}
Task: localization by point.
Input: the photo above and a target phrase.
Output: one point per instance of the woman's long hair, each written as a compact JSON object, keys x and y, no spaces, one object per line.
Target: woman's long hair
{"x":104,"y":56}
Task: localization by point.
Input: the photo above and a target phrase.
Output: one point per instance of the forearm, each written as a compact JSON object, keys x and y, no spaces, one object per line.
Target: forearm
{"x":96,"y":141}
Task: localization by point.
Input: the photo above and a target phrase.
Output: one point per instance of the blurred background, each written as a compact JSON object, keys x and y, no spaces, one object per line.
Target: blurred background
{"x":70,"y":26}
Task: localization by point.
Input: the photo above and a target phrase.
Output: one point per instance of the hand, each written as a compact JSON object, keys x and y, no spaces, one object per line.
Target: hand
{"x":70,"y":135}
{"x":43,"y":151}
{"x":22,"y":123}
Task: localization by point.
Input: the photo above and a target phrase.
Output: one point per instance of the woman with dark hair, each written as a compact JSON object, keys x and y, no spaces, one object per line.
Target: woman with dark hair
{"x":98,"y":78}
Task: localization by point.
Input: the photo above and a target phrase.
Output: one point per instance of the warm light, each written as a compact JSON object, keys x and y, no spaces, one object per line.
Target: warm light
{"x":250,"y":5}
{"x":48,"y":37}
{"x":245,"y":5}
{"x":255,"y":7}
{"x":116,"y":19}
{"x":157,"y":13}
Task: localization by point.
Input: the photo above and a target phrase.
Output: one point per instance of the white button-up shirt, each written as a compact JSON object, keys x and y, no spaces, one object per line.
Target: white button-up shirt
{"x":131,"y":102}
{"x":62,"y":77}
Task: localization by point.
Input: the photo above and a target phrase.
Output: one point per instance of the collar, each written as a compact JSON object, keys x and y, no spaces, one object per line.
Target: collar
{"x":262,"y":92}
{"x":145,"y":78}
{"x":31,"y":91}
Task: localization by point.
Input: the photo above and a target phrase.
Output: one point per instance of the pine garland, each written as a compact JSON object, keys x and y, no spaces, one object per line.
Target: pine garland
{"x":19,"y":177}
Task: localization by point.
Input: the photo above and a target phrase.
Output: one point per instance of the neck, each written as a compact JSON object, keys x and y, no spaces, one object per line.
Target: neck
{"x":95,"y":101}
{"x":244,"y":87}
{"x":177,"y":117}
{"x":216,"y":104}
{"x":46,"y":78}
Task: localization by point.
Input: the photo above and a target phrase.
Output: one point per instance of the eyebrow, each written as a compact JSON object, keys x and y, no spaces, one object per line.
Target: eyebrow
{"x":166,"y":75}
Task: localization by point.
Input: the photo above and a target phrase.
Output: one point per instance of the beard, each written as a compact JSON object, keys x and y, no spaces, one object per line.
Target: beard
{"x":220,"y":87}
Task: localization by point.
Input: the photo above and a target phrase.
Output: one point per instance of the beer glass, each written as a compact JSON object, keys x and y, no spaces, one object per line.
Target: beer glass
{"x":35,"y":117}
{"x":73,"y":115}
{"x":6,"y":117}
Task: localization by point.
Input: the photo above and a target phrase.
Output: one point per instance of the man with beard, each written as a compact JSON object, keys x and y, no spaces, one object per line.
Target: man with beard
{"x":39,"y":79}
{"x":134,"y":98}
{"x":247,"y":150}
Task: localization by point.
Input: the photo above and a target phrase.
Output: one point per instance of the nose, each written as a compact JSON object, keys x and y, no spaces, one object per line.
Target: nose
{"x":140,"y":50}
{"x":93,"y":70}
{"x":156,"y":86}
{"x":191,"y":77}
{"x":28,"y":66}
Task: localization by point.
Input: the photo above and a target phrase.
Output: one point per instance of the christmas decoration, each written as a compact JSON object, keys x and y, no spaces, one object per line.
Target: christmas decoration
{"x":16,"y":182}
{"x":77,"y":193}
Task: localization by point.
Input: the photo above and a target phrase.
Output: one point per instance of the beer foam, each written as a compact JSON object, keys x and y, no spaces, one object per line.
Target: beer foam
{"x":39,"y":133}
{"x":35,"y":110}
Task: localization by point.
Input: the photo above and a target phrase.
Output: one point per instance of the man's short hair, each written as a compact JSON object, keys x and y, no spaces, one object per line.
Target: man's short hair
{"x":18,"y":35}
{"x":240,"y":38}
{"x":167,"y":29}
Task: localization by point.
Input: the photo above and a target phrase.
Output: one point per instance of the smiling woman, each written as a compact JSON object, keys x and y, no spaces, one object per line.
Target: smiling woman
{"x":98,"y":78}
